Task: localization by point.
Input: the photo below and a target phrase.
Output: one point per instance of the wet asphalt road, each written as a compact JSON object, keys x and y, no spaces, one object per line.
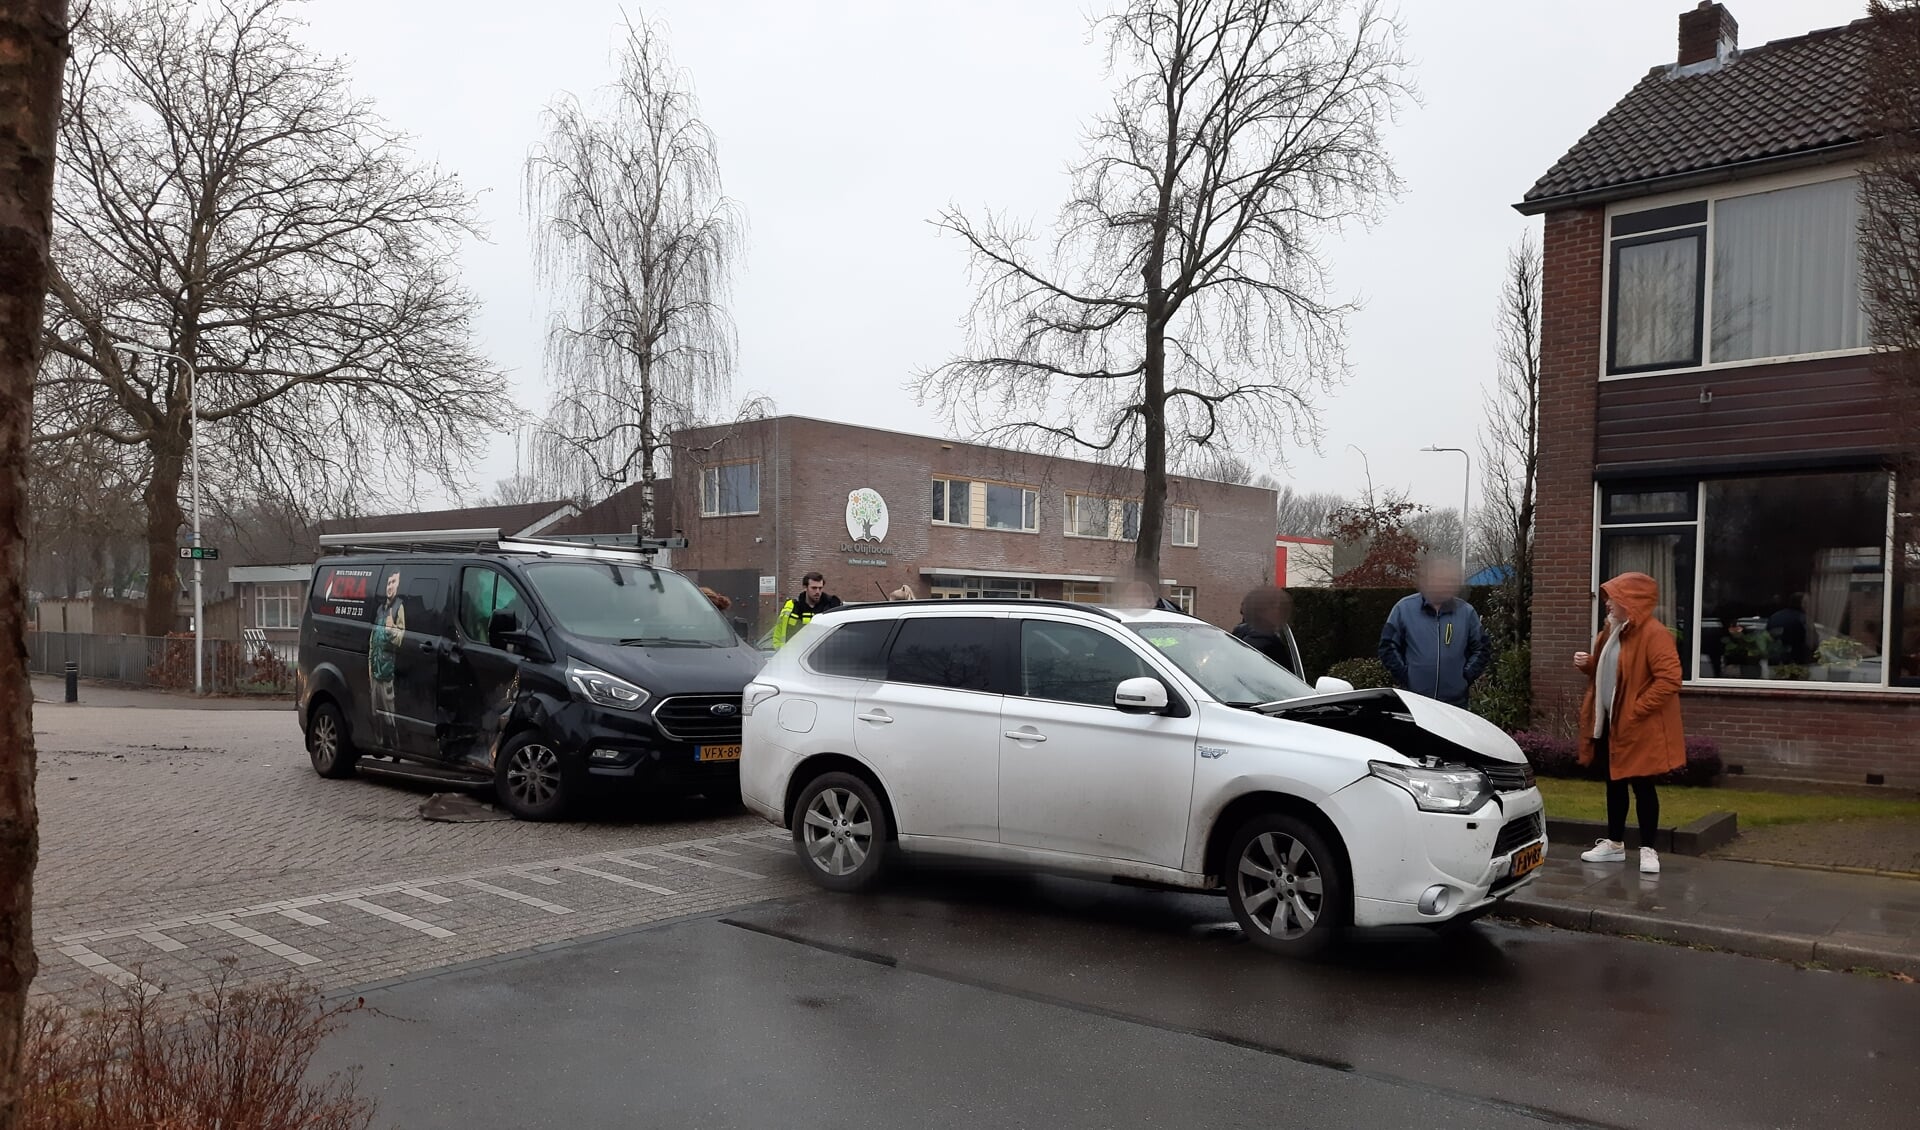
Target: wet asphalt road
{"x":959,"y":1000}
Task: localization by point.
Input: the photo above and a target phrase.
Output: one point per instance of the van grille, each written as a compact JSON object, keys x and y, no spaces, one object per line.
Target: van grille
{"x":1516,"y":834}
{"x":1509,"y":778}
{"x":691,"y":717}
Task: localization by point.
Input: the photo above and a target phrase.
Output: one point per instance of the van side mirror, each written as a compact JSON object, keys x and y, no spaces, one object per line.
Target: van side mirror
{"x":1327,"y":684}
{"x":505,"y":622}
{"x":1140,"y":696}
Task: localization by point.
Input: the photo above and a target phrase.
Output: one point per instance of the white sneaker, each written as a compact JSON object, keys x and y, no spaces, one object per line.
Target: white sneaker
{"x":1649,"y":861}
{"x":1605,"y":851}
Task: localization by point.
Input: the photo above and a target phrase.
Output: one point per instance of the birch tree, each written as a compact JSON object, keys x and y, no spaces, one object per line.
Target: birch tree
{"x":1510,"y":445}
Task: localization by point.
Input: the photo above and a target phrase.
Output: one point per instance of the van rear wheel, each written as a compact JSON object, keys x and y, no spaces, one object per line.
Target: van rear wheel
{"x":328,"y":746}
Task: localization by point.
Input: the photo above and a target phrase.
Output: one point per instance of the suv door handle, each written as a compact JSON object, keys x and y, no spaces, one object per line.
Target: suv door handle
{"x":1027,"y":735}
{"x":879,"y":717}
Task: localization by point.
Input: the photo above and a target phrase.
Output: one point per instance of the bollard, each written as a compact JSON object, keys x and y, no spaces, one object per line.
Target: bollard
{"x":73,"y":681}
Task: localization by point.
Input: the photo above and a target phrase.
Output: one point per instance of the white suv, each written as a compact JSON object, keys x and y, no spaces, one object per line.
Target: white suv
{"x":1140,"y":745}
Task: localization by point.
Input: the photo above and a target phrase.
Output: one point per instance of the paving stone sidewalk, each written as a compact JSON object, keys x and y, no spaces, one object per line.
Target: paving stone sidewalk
{"x":1793,"y":914}
{"x":1860,"y":845}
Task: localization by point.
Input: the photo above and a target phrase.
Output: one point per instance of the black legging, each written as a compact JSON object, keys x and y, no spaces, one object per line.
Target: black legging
{"x":1645,"y":799}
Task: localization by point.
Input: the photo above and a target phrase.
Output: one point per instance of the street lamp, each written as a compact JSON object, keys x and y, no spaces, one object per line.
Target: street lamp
{"x":1466,"y":494}
{"x":193,"y":440}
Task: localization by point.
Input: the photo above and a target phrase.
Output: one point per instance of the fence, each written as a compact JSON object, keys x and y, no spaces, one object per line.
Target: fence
{"x":230,"y":666}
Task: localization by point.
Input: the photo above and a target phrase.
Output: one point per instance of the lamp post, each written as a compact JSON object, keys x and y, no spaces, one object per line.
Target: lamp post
{"x":193,"y":441}
{"x":1466,"y":494}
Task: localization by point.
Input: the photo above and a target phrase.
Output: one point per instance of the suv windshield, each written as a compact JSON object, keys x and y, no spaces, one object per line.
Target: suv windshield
{"x":628,"y":604}
{"x":1227,"y":669}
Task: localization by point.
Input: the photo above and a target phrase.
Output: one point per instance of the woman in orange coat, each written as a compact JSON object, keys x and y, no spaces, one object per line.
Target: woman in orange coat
{"x":1630,"y":718}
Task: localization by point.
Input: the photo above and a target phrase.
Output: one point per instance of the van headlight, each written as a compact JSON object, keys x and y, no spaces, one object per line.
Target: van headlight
{"x":602,"y":689}
{"x":1459,"y":790}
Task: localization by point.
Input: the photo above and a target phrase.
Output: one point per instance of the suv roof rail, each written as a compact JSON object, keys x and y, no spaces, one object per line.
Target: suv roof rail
{"x":615,"y":547}
{"x":997,"y":601}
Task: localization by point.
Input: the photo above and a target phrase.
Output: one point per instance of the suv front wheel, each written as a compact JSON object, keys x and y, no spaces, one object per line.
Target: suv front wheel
{"x":840,"y":832}
{"x":1285,"y":885}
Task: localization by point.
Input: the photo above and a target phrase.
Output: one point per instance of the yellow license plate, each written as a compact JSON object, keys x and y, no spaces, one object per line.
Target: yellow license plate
{"x":718,"y":753}
{"x":1526,"y":859}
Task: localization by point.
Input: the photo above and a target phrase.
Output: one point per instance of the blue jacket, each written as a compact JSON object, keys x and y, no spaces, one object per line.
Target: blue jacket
{"x":1436,"y":652}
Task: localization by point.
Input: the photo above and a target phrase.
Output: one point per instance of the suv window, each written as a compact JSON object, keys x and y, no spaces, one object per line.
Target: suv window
{"x":853,"y":651}
{"x":345,"y":591}
{"x":943,"y":651}
{"x":484,"y":592}
{"x":1074,"y":663}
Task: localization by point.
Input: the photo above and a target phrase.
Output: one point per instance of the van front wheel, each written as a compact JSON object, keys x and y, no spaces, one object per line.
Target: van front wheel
{"x":529,"y":780}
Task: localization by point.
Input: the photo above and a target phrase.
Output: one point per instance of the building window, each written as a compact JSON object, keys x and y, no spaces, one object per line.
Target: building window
{"x":1780,"y":578}
{"x":1114,"y":519}
{"x":1012,"y":508}
{"x":277,"y":606}
{"x":1084,"y":592}
{"x":730,"y":489}
{"x":980,"y":588}
{"x":1186,"y":525}
{"x":952,"y":502}
{"x":1182,"y":597}
{"x":1782,"y":279}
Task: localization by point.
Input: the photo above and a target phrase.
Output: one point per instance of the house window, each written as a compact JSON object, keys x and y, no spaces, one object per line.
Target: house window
{"x":1740,"y":278}
{"x":730,"y":489}
{"x":277,"y":606}
{"x":952,"y":502}
{"x":1182,"y":597}
{"x":1186,"y":525}
{"x":1114,"y":519}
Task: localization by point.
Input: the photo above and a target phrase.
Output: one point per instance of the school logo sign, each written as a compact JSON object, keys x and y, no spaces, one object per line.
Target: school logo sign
{"x":866,"y":515}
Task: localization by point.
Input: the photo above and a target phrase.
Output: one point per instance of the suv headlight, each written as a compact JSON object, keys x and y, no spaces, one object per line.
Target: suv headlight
{"x":1437,"y":790}
{"x":602,"y":689}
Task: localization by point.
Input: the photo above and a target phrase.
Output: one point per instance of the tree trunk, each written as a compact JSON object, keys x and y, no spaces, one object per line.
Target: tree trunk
{"x":164,"y":519}
{"x":33,"y":49}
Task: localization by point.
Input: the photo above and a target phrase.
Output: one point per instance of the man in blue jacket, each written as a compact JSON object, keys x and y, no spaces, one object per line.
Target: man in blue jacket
{"x":1433,"y":643}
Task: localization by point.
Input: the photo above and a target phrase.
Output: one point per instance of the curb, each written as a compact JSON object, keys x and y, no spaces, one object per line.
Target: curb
{"x":1799,"y":949}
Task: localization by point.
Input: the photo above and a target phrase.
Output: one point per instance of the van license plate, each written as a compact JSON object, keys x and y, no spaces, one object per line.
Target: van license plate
{"x":718,"y":753}
{"x":1526,"y":859}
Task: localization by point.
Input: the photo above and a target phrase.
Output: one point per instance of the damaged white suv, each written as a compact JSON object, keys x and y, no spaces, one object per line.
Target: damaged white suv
{"x":1146,"y":746}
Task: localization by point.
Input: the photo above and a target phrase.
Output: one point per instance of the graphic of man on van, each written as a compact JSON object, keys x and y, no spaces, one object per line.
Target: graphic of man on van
{"x":383,"y":648}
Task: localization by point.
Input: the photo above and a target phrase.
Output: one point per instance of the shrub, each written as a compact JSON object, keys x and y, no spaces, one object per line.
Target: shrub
{"x":1553,"y":756}
{"x":1505,"y":696}
{"x":230,"y":1057}
{"x":1362,"y":673}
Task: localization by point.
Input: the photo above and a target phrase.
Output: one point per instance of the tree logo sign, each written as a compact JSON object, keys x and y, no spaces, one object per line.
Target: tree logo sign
{"x":866,"y":515}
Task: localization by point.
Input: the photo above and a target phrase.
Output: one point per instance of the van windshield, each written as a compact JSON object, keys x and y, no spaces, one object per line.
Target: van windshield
{"x":628,"y":604}
{"x":1225,"y":668}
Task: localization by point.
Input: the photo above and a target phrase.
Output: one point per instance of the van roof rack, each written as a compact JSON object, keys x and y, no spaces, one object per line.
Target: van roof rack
{"x":603,"y":547}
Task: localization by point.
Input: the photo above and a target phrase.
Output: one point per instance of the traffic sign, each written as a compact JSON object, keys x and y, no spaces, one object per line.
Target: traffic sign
{"x":199,"y":553}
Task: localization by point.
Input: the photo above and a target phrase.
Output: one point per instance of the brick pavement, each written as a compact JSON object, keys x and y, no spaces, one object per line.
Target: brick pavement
{"x":178,"y":841}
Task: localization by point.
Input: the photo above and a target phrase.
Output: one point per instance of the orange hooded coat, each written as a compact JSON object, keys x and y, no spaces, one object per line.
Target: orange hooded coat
{"x":1645,"y":739}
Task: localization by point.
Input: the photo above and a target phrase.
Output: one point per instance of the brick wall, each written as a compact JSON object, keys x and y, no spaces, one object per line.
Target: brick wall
{"x":1804,"y":733}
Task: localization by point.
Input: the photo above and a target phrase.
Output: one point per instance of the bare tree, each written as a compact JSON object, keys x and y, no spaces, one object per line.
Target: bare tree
{"x":1306,"y":515}
{"x":33,"y":47}
{"x":1438,"y":532}
{"x":223,"y":197}
{"x":1181,"y":302}
{"x":637,"y":243}
{"x":1223,"y":466}
{"x":1510,"y":445}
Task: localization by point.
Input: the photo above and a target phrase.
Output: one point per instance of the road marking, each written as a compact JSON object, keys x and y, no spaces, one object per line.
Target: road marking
{"x":543,"y":880}
{"x":516,"y":896}
{"x":614,"y":857}
{"x":399,"y":919}
{"x":160,"y":941}
{"x":277,"y":948}
{"x":425,"y":896}
{"x":759,"y":842}
{"x":93,"y":962}
{"x":620,"y":879}
{"x":302,"y":917}
{"x":704,"y":863}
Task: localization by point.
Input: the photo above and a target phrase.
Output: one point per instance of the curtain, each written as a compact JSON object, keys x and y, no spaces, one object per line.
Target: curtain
{"x":1656,"y":301}
{"x":1786,"y":272}
{"x":1652,"y":554}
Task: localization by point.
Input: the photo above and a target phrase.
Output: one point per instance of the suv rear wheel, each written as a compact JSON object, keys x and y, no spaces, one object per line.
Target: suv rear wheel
{"x":840,"y":832}
{"x":529,"y":780}
{"x":1285,"y":885}
{"x":328,"y":747}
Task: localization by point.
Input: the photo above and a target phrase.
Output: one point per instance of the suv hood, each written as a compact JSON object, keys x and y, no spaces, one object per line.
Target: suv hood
{"x":664,"y":671}
{"x":1406,"y":723}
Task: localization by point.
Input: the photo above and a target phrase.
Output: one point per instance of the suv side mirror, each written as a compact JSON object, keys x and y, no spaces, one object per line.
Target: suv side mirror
{"x":1327,"y":684}
{"x":1140,"y":696}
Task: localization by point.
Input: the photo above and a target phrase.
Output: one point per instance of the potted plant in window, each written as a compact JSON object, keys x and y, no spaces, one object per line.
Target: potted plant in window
{"x":1743,"y":654}
{"x":1841,"y":656}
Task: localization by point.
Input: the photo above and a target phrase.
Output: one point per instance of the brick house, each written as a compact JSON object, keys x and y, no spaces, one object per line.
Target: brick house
{"x":766,"y":501}
{"x":1711,"y":409}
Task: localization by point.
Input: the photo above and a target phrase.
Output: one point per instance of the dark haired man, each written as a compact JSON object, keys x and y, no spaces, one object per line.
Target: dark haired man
{"x":799,"y":611}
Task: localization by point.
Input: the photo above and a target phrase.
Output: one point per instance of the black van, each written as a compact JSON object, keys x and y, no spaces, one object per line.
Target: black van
{"x":547,"y":668}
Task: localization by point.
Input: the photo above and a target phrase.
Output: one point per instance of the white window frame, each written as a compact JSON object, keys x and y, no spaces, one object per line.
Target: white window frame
{"x":1712,"y":195}
{"x":945,"y":487}
{"x":1116,"y":516}
{"x":291,"y":595}
{"x":710,"y":489}
{"x":1186,"y":526}
{"x":1184,"y":597}
{"x":972,"y":587}
{"x":976,"y":495}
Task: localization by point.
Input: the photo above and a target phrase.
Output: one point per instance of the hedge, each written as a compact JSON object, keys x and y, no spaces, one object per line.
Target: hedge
{"x":1332,"y":625}
{"x":1559,"y":757}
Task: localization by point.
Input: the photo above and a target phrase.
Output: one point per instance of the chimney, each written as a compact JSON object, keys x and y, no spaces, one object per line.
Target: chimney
{"x":1707,"y":32}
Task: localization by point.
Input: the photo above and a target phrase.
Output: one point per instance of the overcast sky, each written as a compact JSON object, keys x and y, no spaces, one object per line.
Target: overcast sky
{"x":844,"y":126}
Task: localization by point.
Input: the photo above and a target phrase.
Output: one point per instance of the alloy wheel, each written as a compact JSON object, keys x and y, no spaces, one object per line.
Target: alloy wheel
{"x":1281,"y":886}
{"x":533,"y":775}
{"x":839,"y":832}
{"x":325,"y":737}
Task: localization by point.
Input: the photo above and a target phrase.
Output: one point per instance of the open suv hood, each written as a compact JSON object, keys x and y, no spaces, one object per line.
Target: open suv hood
{"x":1405,"y":723}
